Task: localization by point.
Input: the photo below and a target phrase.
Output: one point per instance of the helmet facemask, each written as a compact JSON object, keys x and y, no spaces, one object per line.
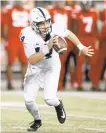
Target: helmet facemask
{"x":41,"y":30}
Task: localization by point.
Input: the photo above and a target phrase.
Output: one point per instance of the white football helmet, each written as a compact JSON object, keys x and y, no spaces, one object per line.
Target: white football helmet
{"x":38,"y":15}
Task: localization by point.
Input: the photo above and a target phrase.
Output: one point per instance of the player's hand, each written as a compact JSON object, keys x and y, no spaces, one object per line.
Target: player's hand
{"x":88,"y":51}
{"x":53,"y":41}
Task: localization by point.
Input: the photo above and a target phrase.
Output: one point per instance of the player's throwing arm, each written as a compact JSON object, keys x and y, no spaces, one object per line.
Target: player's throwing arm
{"x":60,"y":45}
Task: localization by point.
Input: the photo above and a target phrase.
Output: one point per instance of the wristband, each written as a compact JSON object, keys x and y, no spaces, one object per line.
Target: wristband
{"x":80,"y":46}
{"x":45,"y":50}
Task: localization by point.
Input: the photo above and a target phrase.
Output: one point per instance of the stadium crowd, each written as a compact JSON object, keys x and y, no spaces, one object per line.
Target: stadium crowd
{"x":81,"y":17}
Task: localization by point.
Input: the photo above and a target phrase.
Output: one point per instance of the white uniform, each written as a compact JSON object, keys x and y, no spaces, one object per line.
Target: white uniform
{"x":45,"y":73}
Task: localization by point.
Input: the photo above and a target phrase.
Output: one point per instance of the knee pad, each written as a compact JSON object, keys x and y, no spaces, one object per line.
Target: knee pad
{"x":52,"y":102}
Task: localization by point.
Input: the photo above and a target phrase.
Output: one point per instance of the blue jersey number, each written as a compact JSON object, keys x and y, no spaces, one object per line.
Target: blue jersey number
{"x":37,"y":49}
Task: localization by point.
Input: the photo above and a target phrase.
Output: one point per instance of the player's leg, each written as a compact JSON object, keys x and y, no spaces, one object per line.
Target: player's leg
{"x":97,"y":62}
{"x":93,"y":72}
{"x":9,"y":76}
{"x":70,"y":67}
{"x":79,"y":77}
{"x":50,"y":89}
{"x":30,"y":92}
{"x":63,"y":71}
{"x":11,"y":56}
{"x":23,"y":61}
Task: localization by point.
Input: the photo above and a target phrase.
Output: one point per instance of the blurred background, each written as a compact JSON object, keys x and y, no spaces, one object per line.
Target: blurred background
{"x":87,"y":19}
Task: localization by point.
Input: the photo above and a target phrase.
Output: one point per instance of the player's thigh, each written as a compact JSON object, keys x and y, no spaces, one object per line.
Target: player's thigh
{"x":51,"y":85}
{"x":21,"y":54}
{"x":12,"y":52}
{"x":93,"y":60}
{"x":80,"y":60}
{"x":103,"y":49}
{"x":30,"y":88}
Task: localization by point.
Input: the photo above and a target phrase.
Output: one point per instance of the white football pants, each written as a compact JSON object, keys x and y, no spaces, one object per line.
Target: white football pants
{"x":50,"y":85}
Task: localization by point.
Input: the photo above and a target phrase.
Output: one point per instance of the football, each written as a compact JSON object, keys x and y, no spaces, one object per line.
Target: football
{"x":62,"y":45}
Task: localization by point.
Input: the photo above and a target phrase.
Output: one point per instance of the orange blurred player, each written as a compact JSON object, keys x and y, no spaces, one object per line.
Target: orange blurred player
{"x":62,"y":15}
{"x":102,"y":51}
{"x":75,"y":7}
{"x":86,"y":30}
{"x":71,"y":59}
{"x":14,"y":18}
{"x":103,"y":39}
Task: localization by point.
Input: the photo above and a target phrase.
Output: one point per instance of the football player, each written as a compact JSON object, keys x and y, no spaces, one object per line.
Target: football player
{"x":87,"y":32}
{"x":103,"y":37}
{"x":14,"y":18}
{"x":43,"y":62}
{"x":70,"y":63}
{"x":102,"y":51}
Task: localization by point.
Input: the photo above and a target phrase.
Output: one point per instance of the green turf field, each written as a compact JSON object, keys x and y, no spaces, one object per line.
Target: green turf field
{"x":84,"y":114}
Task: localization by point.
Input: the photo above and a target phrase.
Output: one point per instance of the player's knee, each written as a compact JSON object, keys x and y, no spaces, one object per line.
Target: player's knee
{"x":28,"y":104}
{"x":28,"y":98}
{"x":9,"y":64}
{"x":11,"y":60}
{"x":24,"y":63}
{"x":52,"y":102}
{"x":48,"y":101}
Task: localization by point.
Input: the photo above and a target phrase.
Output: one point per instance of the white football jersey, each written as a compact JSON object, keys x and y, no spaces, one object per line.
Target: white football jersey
{"x":34,"y":43}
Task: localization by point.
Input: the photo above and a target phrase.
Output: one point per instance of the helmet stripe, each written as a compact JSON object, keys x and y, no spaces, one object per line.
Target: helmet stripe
{"x":41,"y":12}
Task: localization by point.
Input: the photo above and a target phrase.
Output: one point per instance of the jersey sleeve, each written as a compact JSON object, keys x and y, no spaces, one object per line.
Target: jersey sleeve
{"x":28,"y":45}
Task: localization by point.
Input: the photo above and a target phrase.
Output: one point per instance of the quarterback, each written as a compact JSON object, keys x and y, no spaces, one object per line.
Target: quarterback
{"x":43,"y":62}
